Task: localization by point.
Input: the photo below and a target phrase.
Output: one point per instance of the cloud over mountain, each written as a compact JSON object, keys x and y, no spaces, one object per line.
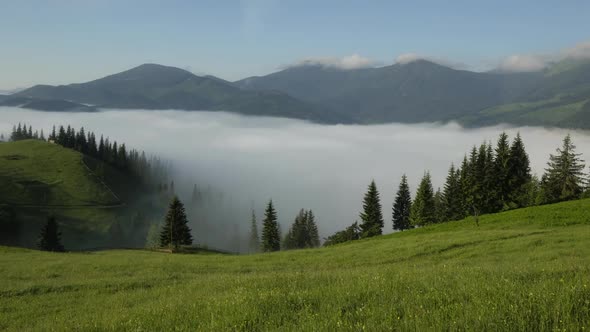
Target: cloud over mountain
{"x":354,"y":61}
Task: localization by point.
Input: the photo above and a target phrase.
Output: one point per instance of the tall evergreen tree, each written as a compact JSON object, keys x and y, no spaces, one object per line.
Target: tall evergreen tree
{"x":312,"y":228}
{"x":372,"y":217}
{"x":254,"y":241}
{"x":423,"y":208}
{"x":451,"y":196}
{"x":271,"y":238}
{"x":176,"y":231}
{"x":402,"y":206}
{"x":502,"y":171}
{"x":50,"y":238}
{"x":565,"y":178}
{"x":439,"y":207}
{"x":465,"y":182}
{"x":519,"y":171}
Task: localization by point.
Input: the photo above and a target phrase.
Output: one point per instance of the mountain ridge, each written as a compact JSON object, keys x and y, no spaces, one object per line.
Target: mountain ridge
{"x":418,"y":91}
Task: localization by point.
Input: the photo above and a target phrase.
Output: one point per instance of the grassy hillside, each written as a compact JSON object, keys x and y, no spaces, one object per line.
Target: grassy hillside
{"x":39,"y":173}
{"x":527,"y":269}
{"x":559,"y":111}
{"x":40,"y":179}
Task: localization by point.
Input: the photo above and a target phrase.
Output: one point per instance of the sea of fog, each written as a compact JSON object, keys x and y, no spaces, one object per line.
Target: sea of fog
{"x":298,"y":164}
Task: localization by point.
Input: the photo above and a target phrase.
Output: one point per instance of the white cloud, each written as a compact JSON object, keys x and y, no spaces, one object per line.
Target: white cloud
{"x":407,"y":58}
{"x":536,"y":62}
{"x":523,"y":63}
{"x":580,"y":51}
{"x":353,"y":61}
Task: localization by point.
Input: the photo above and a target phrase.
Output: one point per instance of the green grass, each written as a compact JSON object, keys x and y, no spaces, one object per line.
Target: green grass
{"x":526,"y":269}
{"x":38,"y":173}
{"x":40,"y":179}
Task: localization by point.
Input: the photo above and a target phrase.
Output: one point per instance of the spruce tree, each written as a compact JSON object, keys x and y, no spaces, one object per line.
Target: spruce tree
{"x":254,"y":242}
{"x":439,"y":207}
{"x":519,"y":171}
{"x":502,"y":171}
{"x":423,"y":208}
{"x":50,"y":238}
{"x":565,"y":178}
{"x":402,"y":205}
{"x":372,"y":218}
{"x":490,"y":185}
{"x":175,"y":231}
{"x":299,"y":231}
{"x":464,"y":181}
{"x":271,"y":238}
{"x":312,"y":228}
{"x":451,"y":196}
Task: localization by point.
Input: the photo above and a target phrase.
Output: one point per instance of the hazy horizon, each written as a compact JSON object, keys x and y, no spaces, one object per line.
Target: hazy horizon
{"x":296,"y":163}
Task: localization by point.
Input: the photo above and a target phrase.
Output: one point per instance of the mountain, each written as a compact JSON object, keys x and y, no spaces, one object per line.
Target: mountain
{"x":422,"y":91}
{"x":40,"y":104}
{"x":152,"y":86}
{"x":413,"y":92}
{"x":419,"y":91}
{"x":560,"y":97}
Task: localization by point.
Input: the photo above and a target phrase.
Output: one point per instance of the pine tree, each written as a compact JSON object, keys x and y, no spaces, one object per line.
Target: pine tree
{"x":451,"y":196}
{"x":372,"y":217}
{"x":519,"y":171}
{"x":299,"y":230}
{"x":53,"y":136}
{"x":402,"y":206}
{"x":439,"y":207}
{"x":50,"y":238}
{"x":176,"y":231}
{"x":464,"y":181}
{"x":254,"y":243}
{"x":565,"y":178}
{"x":423,"y":209}
{"x":312,"y":228}
{"x":502,"y":172}
{"x":271,"y":238}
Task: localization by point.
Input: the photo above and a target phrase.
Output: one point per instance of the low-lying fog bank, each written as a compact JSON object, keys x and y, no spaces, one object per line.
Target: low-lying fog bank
{"x":297,"y":164}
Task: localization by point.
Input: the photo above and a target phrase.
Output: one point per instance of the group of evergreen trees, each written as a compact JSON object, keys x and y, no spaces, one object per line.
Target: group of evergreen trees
{"x":150,"y":170}
{"x":21,"y":132}
{"x":489,"y":180}
{"x":303,"y":233}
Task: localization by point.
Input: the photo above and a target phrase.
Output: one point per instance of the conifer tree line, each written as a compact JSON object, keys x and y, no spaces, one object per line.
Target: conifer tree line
{"x":303,"y":232}
{"x":148,"y":169}
{"x":491,"y":178}
{"x":21,"y":132}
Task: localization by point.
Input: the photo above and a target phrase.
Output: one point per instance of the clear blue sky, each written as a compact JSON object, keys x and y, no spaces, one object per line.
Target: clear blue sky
{"x":64,"y":41}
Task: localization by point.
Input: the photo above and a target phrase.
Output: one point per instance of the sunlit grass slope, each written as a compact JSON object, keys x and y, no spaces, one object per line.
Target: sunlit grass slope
{"x":40,"y":179}
{"x":527,"y":269}
{"x":34,"y":172}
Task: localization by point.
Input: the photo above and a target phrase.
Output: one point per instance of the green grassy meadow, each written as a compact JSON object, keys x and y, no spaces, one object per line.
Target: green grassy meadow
{"x":527,"y":269}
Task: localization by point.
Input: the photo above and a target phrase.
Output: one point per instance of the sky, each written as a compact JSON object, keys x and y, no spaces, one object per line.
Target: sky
{"x":67,"y":41}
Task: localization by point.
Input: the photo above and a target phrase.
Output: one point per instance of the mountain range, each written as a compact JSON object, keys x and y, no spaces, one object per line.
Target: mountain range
{"x":419,"y":91}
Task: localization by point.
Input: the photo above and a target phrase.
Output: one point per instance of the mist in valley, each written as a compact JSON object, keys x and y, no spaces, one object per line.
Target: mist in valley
{"x":238,"y":163}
